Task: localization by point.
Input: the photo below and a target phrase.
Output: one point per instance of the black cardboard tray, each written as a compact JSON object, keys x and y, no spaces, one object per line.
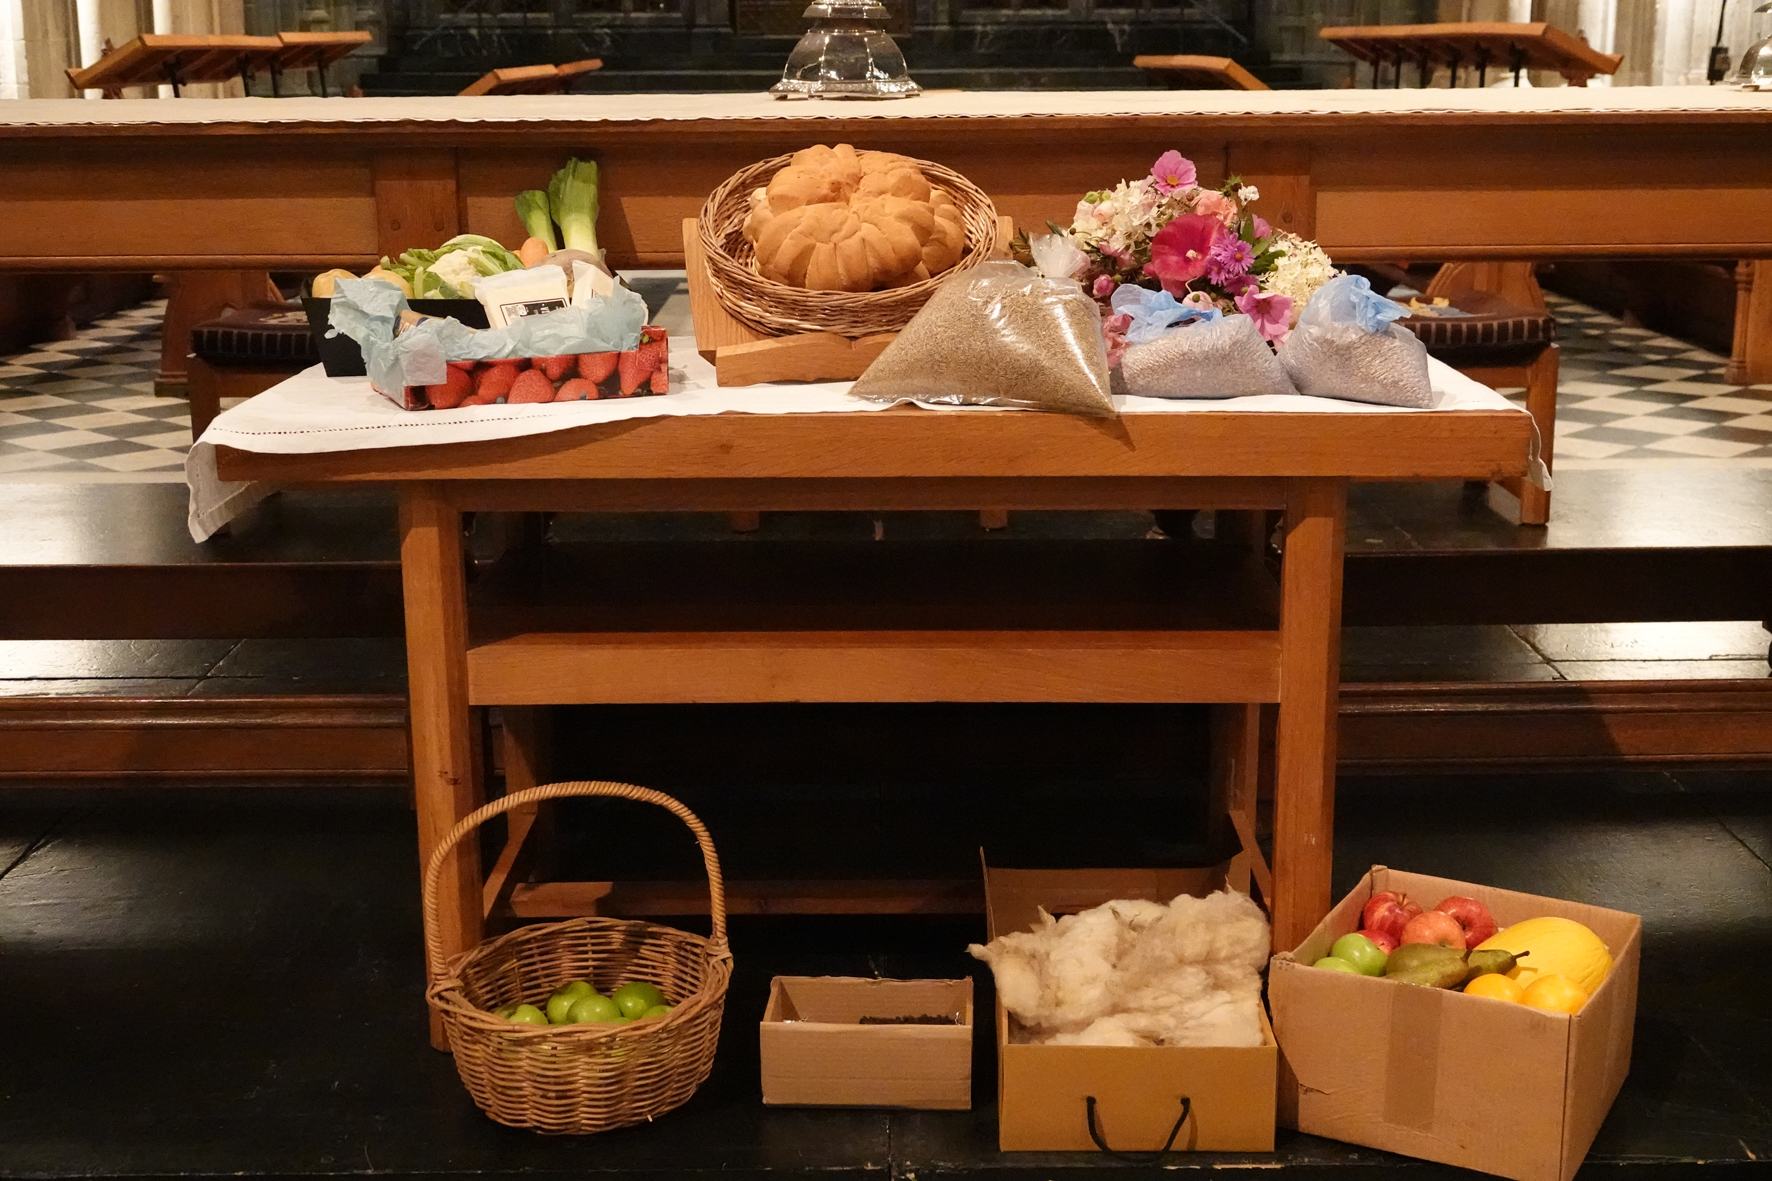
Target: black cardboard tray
{"x":340,"y":354}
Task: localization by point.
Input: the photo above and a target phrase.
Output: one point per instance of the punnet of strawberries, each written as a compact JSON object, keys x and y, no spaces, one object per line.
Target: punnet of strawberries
{"x":515,"y":381}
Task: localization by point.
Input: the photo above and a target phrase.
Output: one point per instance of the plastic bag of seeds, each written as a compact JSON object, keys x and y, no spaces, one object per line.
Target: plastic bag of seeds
{"x":1208,"y":355}
{"x":998,"y":335}
{"x":1345,"y":346}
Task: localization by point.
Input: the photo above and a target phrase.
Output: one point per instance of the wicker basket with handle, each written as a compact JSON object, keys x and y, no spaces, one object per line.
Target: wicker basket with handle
{"x":776,"y":309}
{"x":588,"y":1077}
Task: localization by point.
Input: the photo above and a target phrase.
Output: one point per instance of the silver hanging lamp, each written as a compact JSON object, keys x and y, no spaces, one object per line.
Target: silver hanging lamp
{"x":846,"y":54}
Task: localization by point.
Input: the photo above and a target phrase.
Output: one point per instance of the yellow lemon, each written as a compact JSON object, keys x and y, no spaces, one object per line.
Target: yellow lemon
{"x":1496,"y":987}
{"x":1559,"y":994}
{"x":1554,"y":947}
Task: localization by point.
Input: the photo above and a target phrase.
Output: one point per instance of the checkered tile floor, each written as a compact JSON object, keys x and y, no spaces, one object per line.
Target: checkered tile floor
{"x":84,"y":410}
{"x":1627,"y":396}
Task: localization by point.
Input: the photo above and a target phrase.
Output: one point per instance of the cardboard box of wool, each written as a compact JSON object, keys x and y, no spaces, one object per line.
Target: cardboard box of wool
{"x":1484,"y":1084}
{"x":847,"y":1041}
{"x":1121,"y":1098}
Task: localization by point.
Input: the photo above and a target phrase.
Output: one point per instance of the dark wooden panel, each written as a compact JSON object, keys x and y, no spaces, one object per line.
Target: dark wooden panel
{"x":356,"y":739}
{"x":1558,"y":586}
{"x":1546,"y":725}
{"x":1383,"y":728}
{"x":310,"y":599}
{"x":217,"y":601}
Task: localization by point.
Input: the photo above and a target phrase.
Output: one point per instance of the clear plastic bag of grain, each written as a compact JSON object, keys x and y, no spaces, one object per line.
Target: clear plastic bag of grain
{"x":1221,"y":357}
{"x":1345,"y":346}
{"x":998,"y":335}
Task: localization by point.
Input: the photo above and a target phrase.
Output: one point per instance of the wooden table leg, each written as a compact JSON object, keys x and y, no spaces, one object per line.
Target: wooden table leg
{"x":1541,"y":404}
{"x":196,"y":296}
{"x":1310,"y":653}
{"x":445,"y":774}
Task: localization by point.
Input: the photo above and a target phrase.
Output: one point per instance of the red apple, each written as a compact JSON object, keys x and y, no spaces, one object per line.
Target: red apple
{"x":1388,"y":911}
{"x":1434,"y":926}
{"x":1386,"y":942}
{"x":1472,"y":915}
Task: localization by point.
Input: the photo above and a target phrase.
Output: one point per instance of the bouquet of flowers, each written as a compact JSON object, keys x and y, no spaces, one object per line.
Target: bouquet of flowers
{"x":1205,"y":248}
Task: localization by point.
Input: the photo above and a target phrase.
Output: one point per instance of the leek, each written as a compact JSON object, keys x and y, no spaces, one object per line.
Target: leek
{"x":532,"y":208}
{"x":572,"y":199}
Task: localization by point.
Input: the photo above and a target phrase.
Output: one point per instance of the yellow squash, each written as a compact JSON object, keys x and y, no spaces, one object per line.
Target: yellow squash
{"x":1559,"y":947}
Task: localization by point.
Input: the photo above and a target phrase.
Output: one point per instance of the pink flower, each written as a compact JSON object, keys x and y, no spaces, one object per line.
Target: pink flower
{"x":1199,"y":300}
{"x":1120,"y":259}
{"x":1180,"y":251}
{"x":1208,"y":203}
{"x":1231,"y":258}
{"x":1113,"y":334}
{"x":1104,"y":287}
{"x":1262,"y":229}
{"x":1172,"y":171}
{"x":1272,"y":313}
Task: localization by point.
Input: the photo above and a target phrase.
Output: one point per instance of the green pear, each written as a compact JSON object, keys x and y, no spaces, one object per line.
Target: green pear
{"x":1485,"y":963}
{"x":1427,"y":964}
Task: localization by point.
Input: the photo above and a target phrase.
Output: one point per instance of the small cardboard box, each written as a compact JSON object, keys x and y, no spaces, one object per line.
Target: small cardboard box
{"x":1043,"y":1091}
{"x":1435,"y":1074}
{"x":817,"y":1053}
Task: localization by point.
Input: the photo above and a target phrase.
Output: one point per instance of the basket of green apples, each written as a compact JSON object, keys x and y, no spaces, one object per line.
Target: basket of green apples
{"x":588,"y":1024}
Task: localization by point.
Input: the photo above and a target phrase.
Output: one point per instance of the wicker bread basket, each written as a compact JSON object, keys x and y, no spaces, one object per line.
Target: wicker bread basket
{"x":589,"y":1077}
{"x":776,"y":309}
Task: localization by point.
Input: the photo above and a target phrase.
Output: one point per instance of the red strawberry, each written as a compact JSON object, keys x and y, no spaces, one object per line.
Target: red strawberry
{"x":640,"y":365}
{"x":577,"y":389}
{"x":661,"y":380}
{"x":596,"y":367}
{"x":633,"y":369}
{"x":532,"y":385}
{"x":493,"y":383}
{"x":555,"y":367}
{"x":454,"y":390}
{"x":464,"y":366}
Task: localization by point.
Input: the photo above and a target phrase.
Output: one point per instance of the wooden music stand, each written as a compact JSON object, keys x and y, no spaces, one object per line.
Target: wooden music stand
{"x":1189,"y":71}
{"x":178,"y":60}
{"x":154,"y":58}
{"x":315,"y":51}
{"x":1517,"y":47}
{"x":543,"y":79}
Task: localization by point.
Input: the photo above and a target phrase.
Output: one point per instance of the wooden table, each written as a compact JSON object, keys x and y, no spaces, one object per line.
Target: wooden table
{"x":1373,"y":175}
{"x":1230,"y":634}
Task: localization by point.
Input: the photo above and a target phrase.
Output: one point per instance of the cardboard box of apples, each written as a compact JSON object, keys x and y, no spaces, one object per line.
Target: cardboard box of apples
{"x":1458,"y":1023}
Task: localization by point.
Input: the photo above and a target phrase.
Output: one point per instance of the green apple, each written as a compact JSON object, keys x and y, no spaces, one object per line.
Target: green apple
{"x":563,"y":997}
{"x":1335,"y":964}
{"x":657,"y":1011}
{"x":593,"y":1008}
{"x":1366,"y":956}
{"x":504,"y":1011}
{"x":528,"y":1015}
{"x":635,"y":997}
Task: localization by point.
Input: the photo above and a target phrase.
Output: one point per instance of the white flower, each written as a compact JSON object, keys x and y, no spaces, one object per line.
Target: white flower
{"x":1303,"y":268}
{"x":1248,"y":193}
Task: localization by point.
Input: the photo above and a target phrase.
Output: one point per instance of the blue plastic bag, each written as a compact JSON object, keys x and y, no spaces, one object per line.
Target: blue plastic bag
{"x":1346,"y":346}
{"x":368,"y":310}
